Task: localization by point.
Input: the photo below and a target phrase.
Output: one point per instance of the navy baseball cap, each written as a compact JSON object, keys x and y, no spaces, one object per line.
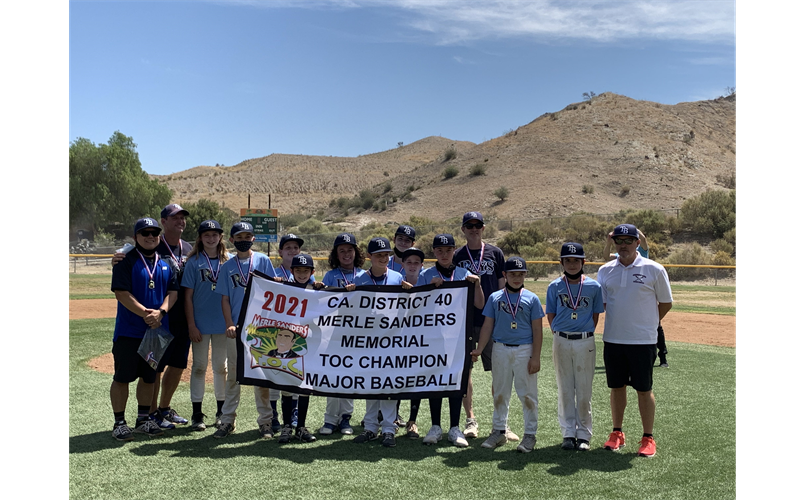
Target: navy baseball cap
{"x":571,"y":249}
{"x":625,"y":230}
{"x":345,"y":239}
{"x":146,"y":223}
{"x":515,"y":264}
{"x":377,"y":245}
{"x":291,"y":237}
{"x":406,"y":231}
{"x":241,"y":227}
{"x":444,"y":240}
{"x":209,"y":225}
{"x":173,"y":209}
{"x":302,"y":260}
{"x":413,"y":251}
{"x":472,"y":216}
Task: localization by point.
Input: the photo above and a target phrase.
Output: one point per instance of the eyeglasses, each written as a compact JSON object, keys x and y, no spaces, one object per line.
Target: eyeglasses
{"x":624,"y":241}
{"x":149,"y":232}
{"x":477,"y":225}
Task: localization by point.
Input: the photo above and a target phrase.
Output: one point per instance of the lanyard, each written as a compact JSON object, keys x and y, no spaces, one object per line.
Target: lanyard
{"x":179,"y":259}
{"x":574,"y":303}
{"x":243,"y":278}
{"x":513,"y":311}
{"x":477,"y":268}
{"x":346,"y":281}
{"x":150,"y":272}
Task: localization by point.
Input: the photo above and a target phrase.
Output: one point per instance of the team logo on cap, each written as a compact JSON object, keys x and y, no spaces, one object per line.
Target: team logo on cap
{"x":407,"y":231}
{"x":302,"y":259}
{"x":443,"y":239}
{"x":148,"y":222}
{"x":380,"y":243}
{"x":291,"y":235}
{"x":211,"y":225}
{"x":624,"y":229}
{"x":519,"y":263}
{"x":571,"y":248}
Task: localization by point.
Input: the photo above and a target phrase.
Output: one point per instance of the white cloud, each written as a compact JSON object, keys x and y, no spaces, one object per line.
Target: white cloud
{"x":458,"y":21}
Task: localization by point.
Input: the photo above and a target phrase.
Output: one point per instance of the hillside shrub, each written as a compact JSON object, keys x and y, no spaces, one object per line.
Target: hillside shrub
{"x":588,"y":189}
{"x":730,"y":236}
{"x":450,"y":172}
{"x":502,"y":193}
{"x":711,"y":213}
{"x":367,"y":198}
{"x":691,"y":254}
{"x":723,"y":259}
{"x":722,"y":245}
{"x":516,"y":241}
{"x":449,"y":154}
{"x":478,"y":169}
{"x":728,"y":181}
{"x":625,"y":190}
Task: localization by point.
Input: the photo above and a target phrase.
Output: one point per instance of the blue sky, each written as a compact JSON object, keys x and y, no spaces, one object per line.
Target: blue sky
{"x":200,"y":83}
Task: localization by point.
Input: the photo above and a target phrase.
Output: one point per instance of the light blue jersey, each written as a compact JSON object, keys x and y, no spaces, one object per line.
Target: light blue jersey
{"x":395,"y":264}
{"x":560,"y":302}
{"x":281,"y":272}
{"x":233,"y":285}
{"x":497,"y":308}
{"x":207,"y":314}
{"x":341,"y":277}
{"x":389,"y":278}
{"x":425,"y":277}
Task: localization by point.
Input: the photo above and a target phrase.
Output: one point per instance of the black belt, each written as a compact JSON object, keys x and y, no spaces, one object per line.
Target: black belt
{"x":509,"y":345}
{"x":575,"y":336}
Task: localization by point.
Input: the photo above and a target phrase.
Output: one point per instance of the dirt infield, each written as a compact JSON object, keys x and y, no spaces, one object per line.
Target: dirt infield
{"x":710,"y":329}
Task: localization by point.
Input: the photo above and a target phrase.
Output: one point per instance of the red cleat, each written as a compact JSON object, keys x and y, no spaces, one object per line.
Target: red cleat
{"x":648,"y":448}
{"x":616,"y":441}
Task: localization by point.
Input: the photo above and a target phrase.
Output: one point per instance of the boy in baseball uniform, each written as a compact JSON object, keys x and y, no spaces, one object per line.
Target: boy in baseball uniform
{"x":573,"y":304}
{"x":513,"y":322}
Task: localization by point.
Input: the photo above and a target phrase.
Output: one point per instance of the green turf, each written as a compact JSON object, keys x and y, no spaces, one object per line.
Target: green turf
{"x":695,"y":432}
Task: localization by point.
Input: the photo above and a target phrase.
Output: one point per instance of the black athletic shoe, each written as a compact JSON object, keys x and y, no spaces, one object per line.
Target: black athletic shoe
{"x":304,"y":435}
{"x":388,"y":440}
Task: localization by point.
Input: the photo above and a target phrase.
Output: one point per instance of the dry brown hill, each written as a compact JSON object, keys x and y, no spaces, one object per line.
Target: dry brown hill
{"x":630,"y":154}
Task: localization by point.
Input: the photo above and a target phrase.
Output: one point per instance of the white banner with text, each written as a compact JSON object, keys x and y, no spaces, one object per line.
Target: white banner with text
{"x":375,"y":342}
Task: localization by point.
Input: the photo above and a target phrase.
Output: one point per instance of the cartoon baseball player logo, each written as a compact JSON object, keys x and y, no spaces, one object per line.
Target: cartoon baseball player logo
{"x":277,"y":348}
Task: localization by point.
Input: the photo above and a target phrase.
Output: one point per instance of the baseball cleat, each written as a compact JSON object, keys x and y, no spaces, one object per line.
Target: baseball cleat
{"x":471,"y":428}
{"x":122,"y":432}
{"x":304,"y":435}
{"x":344,"y":426}
{"x":583,"y":445}
{"x":148,"y":426}
{"x":616,"y":441}
{"x":433,"y":436}
{"x":364,"y":437}
{"x":664,"y":365}
{"x":388,"y":440}
{"x":218,"y":419}
{"x":648,"y":448}
{"x":456,"y":437}
{"x":285,"y":435}
{"x":171,"y":416}
{"x":327,"y":429}
{"x":198,"y":422}
{"x":527,"y":445}
{"x":411,"y":430}
{"x":224,"y":430}
{"x":497,"y":438}
{"x":568,"y":444}
{"x":265,"y":431}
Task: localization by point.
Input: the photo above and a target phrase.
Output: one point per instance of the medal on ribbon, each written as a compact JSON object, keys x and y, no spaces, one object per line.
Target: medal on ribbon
{"x":150,"y":272}
{"x":474,"y":267}
{"x":513,"y":310}
{"x":213,"y":272}
{"x":574,"y":303}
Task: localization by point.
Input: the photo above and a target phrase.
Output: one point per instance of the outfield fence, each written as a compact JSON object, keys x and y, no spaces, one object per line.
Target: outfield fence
{"x":536,"y":268}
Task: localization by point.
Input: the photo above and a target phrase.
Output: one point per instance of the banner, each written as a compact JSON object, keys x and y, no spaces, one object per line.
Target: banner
{"x":376,"y":342}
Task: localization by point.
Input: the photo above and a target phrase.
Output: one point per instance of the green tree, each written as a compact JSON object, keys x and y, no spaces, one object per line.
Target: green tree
{"x":205,"y":209}
{"x":711,"y":213}
{"x":108,"y":184}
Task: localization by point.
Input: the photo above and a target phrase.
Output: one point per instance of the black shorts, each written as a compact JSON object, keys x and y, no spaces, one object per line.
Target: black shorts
{"x":486,"y":354}
{"x":177,"y":352}
{"x":628,"y":364}
{"x":129,"y":365}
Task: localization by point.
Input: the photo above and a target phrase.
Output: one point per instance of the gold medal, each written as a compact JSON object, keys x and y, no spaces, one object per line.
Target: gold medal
{"x":574,"y":316}
{"x":151,"y":284}
{"x":213,"y":287}
{"x":514,"y":325}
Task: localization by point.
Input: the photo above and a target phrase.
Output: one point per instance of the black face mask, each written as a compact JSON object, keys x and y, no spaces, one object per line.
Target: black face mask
{"x":243,"y":246}
{"x":398,"y":253}
{"x":574,"y":276}
{"x":147,"y":253}
{"x":514,"y":290}
{"x":445,"y":270}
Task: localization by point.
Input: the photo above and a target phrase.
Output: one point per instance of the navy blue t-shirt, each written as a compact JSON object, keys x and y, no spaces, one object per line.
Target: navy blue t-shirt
{"x":491,"y":270}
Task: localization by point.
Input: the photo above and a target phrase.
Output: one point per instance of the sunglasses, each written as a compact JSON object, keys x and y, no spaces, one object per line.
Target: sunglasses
{"x":149,"y":232}
{"x":477,"y":225}
{"x":624,"y":241}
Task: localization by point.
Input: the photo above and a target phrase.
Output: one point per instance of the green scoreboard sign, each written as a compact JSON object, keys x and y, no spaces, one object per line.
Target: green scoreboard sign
{"x":264,"y":222}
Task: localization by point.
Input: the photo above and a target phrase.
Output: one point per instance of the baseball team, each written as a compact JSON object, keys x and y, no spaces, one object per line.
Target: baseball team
{"x":196,"y":292}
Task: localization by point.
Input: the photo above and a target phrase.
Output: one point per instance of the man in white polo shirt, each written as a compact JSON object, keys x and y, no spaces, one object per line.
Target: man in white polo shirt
{"x":637,"y":295}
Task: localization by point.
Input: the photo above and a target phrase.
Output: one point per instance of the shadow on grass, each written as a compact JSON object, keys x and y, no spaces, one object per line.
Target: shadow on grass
{"x":184,"y":443}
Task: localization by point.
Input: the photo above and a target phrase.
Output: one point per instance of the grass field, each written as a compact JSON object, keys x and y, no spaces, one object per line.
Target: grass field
{"x":695,"y":433}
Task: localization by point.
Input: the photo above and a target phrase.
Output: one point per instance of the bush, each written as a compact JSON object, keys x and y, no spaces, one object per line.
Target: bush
{"x":386,"y":187}
{"x":724,"y":246}
{"x":730,"y":236}
{"x":728,"y":181}
{"x":478,"y":169}
{"x":723,"y":259}
{"x":449,"y":154}
{"x":691,"y":254}
{"x":450,"y":172}
{"x":367,"y":198}
{"x":311,"y":226}
{"x":516,"y":241}
{"x":502,"y":193}
{"x":711,"y":213}
{"x":588,"y":189}
{"x":625,"y":191}
{"x":103,"y":239}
